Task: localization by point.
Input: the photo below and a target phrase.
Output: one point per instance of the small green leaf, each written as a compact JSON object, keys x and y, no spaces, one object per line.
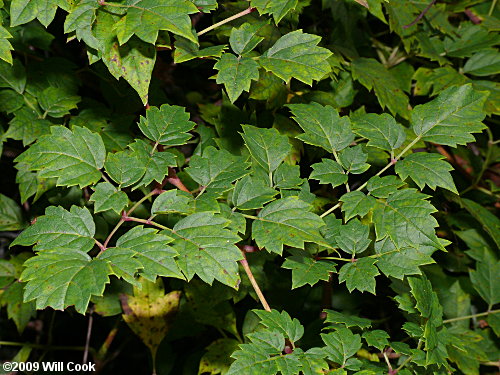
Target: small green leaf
{"x":277,"y":8}
{"x":341,"y":345}
{"x":307,"y":270}
{"x":328,"y":172}
{"x":377,"y":338}
{"x":336,"y":317}
{"x":60,"y":228}
{"x":173,"y":201}
{"x":168,"y":125}
{"x":236,"y":73}
{"x":154,"y":164}
{"x":353,"y":237}
{"x":451,"y":117}
{"x":267,"y":146}
{"x":27,"y":126}
{"x":74,"y":157}
{"x":359,"y":275}
{"x":382,"y":187}
{"x":483,"y":63}
{"x":427,"y":169}
{"x":124,"y":168}
{"x":251,"y":193}
{"x":73,"y":279}
{"x":216,"y":169}
{"x":297,"y":55}
{"x":353,"y":159}
{"x":323,"y":126}
{"x":382,"y":131}
{"x":486,"y":280}
{"x":11,"y":215}
{"x":13,"y":76}
{"x":356,"y":203}
{"x":286,"y":222}
{"x":244,"y":39}
{"x":24,"y":11}
{"x":281,"y":322}
{"x":56,"y":102}
{"x":287,"y":176}
{"x":19,"y":311}
{"x":107,"y":197}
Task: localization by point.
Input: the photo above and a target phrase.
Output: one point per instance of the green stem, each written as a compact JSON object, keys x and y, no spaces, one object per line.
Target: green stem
{"x":471,"y":316}
{"x":226,"y":20}
{"x":335,"y":258}
{"x":390,"y":164}
{"x":492,"y":8}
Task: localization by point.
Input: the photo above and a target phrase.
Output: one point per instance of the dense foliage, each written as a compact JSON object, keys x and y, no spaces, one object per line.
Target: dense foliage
{"x":251,"y":187}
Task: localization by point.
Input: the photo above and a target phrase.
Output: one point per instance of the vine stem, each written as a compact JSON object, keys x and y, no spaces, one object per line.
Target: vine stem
{"x":390,"y":164}
{"x":255,"y":286}
{"x":471,"y":316}
{"x":421,"y":15}
{"x":226,"y":20}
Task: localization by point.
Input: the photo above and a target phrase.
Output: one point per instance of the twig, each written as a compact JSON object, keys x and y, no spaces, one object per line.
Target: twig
{"x":421,"y":15}
{"x":249,"y":273}
{"x":226,"y":20}
{"x":471,"y":316}
{"x":89,"y":334}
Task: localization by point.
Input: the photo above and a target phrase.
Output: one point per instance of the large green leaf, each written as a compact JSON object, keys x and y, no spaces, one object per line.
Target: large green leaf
{"x":297,"y":55}
{"x":451,"y":117}
{"x":427,"y":169}
{"x":145,"y":18}
{"x":286,"y":222}
{"x":207,"y":248}
{"x":73,"y":229}
{"x":63,"y":277}
{"x":323,"y":126}
{"x":168,"y":125}
{"x":74,"y":157}
{"x":236,"y":73}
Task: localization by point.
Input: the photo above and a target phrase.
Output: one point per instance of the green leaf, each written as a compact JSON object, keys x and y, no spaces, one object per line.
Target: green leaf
{"x":286,"y":221}
{"x":287,"y":176}
{"x":107,"y":197}
{"x":59,"y":228}
{"x":122,"y":264}
{"x":267,"y":146}
{"x":483,"y":63}
{"x":406,"y":218}
{"x":356,"y":203}
{"x":382,"y":187}
{"x":80,"y":19}
{"x":336,"y":317}
{"x":468,"y":39}
{"x":145,"y":18}
{"x":5,"y":46}
{"x":307,"y":270}
{"x":236,"y":73}
{"x":373,"y":75}
{"x":27,"y":126}
{"x":206,"y":248}
{"x":323,"y":126}
{"x":353,"y":237}
{"x":74,"y":157}
{"x":427,"y":169}
{"x":13,"y":76}
{"x":451,"y":117}
{"x":341,"y":345}
{"x":186,"y":50}
{"x":24,"y":11}
{"x":19,"y":311}
{"x":359,"y":275}
{"x":281,"y":322}
{"x":377,"y":338}
{"x":353,"y":159}
{"x":244,"y":39}
{"x":124,"y":168}
{"x":382,"y":131}
{"x":56,"y":102}
{"x":73,"y":279}
{"x":216,"y":169}
{"x":168,"y":125}
{"x":250,"y":193}
{"x":486,"y":280}
{"x":154,"y":164}
{"x":217,"y":358}
{"x":277,"y":8}
{"x":11,"y":215}
{"x":328,"y":172}
{"x":152,"y":250}
{"x":10,"y":101}
{"x":173,"y":201}
{"x":297,"y":55}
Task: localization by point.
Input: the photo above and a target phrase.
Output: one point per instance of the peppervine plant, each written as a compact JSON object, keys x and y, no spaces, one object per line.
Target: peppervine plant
{"x":204,"y":171}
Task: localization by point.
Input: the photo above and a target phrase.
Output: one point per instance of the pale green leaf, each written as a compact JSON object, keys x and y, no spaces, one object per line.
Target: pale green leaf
{"x":236,"y":73}
{"x":107,"y":197}
{"x":73,"y":279}
{"x":186,"y":50}
{"x":323,"y":126}
{"x":287,"y":176}
{"x":168,"y":125}
{"x":80,"y":19}
{"x":24,"y":11}
{"x":297,"y":55}
{"x":427,"y":169}
{"x":74,"y":157}
{"x":450,"y":118}
{"x":377,"y":338}
{"x":5,"y":46}
{"x":359,"y":275}
{"x":286,"y":222}
{"x":60,"y":228}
